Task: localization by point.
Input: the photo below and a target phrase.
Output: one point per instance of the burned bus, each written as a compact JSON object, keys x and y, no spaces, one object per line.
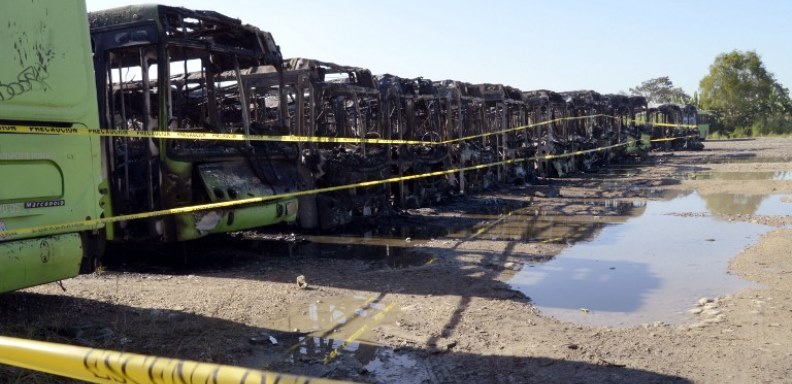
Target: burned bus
{"x":161,"y":68}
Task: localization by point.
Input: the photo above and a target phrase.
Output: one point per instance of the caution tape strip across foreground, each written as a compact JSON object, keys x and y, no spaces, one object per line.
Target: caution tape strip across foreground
{"x":94,"y":224}
{"x":184,"y":135}
{"x":103,"y":366}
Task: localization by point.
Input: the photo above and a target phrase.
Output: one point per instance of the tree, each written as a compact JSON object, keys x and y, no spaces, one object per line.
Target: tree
{"x":743,"y":92}
{"x":660,"y":90}
{"x":695,"y":100}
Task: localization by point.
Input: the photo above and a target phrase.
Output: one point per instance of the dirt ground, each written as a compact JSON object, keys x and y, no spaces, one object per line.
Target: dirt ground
{"x":424,"y":296}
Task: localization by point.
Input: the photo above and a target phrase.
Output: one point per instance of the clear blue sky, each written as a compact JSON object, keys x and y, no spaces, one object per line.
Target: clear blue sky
{"x":607,"y":45}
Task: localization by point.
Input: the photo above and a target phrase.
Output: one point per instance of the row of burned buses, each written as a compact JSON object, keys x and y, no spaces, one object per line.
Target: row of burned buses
{"x":151,"y":68}
{"x":460,"y":125}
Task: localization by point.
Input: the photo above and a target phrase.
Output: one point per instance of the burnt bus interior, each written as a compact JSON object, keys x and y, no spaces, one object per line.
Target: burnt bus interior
{"x":624,"y":110}
{"x":428,"y":124}
{"x":167,"y":68}
{"x":344,"y":102}
{"x":676,"y":114}
{"x":461,"y":115}
{"x":638,"y":140}
{"x":588,"y":133}
{"x":549,"y":136}
{"x":321,"y":99}
{"x":505,"y":111}
{"x":415,"y":111}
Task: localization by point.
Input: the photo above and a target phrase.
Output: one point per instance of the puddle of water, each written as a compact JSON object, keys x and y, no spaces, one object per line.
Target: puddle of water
{"x":534,"y":225}
{"x":733,"y":204}
{"x":350,"y":360}
{"x":418,"y":231}
{"x":556,"y":229}
{"x":339,"y":316}
{"x":378,"y":252}
{"x":753,"y":159}
{"x":765,"y":175}
{"x":336,"y":334}
{"x":629,"y":171}
{"x":650,"y":268}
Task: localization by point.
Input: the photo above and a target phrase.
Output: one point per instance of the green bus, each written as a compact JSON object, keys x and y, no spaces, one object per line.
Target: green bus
{"x":47,"y":80}
{"x":158,"y":68}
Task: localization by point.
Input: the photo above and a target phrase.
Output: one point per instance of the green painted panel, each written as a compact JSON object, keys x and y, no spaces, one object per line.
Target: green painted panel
{"x":26,"y":263}
{"x":32,"y":194}
{"x":47,"y":71}
{"x":46,"y":79}
{"x":202,"y":223}
{"x":35,"y":180}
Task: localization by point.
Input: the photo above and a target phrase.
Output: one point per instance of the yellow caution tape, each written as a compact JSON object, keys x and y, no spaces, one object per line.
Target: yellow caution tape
{"x":672,"y":125}
{"x":186,"y":135}
{"x":100,"y":222}
{"x":655,"y":124}
{"x":548,"y":122}
{"x":103,"y":366}
{"x":673,"y":138}
{"x":520,"y":128}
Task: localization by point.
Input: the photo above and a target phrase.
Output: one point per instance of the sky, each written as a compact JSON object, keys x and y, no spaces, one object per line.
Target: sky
{"x":606,"y":45}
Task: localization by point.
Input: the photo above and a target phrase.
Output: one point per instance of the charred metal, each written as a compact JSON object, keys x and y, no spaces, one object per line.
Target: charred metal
{"x":173,"y":69}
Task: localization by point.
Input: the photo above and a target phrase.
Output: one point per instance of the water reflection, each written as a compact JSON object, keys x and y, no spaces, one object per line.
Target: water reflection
{"x":379,"y":253}
{"x":733,"y":204}
{"x":650,"y":268}
{"x":588,"y":284}
{"x":552,"y":224}
{"x":625,"y":171}
{"x":751,"y":158}
{"x":318,"y":335}
{"x":736,"y":176}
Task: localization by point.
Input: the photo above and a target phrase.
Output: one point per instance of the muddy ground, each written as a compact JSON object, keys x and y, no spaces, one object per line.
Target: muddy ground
{"x":425,"y":296}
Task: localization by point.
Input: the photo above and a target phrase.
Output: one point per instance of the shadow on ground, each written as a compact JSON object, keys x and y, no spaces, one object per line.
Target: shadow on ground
{"x":183,"y":335}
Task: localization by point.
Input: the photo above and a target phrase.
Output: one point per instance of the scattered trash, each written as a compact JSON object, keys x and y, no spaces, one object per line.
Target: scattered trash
{"x":704,"y":300}
{"x":711,"y":312}
{"x":609,"y":364}
{"x":301,"y":283}
{"x":263,"y":339}
{"x":512,"y":266}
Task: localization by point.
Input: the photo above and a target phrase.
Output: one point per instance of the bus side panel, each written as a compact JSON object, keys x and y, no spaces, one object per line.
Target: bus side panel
{"x":47,"y":79}
{"x":38,"y":261}
{"x":48,"y":179}
{"x":47,"y":72}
